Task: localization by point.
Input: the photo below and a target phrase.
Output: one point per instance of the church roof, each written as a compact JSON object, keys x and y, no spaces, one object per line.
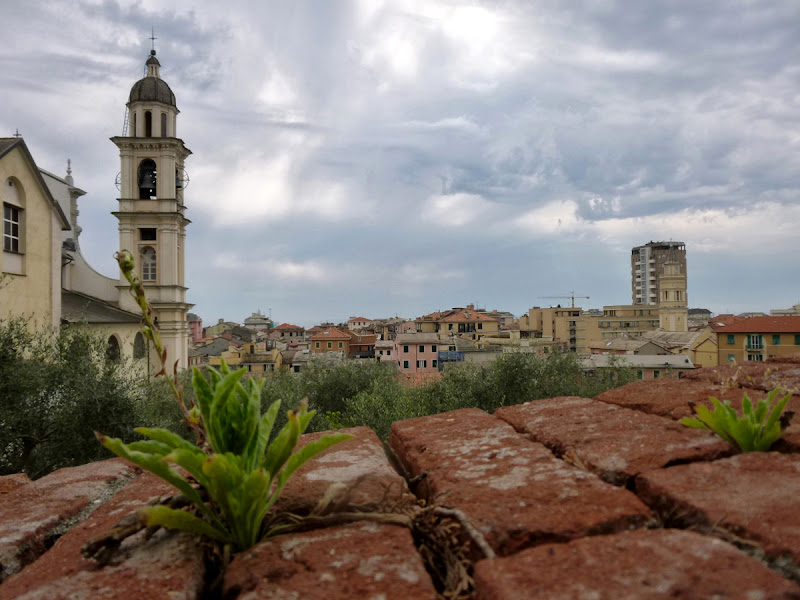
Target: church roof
{"x":6,"y":146}
{"x":78,"y":308}
{"x":151,"y":89}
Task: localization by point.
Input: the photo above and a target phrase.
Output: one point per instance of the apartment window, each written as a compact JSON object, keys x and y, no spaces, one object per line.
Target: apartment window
{"x":405,"y":349}
{"x":330,"y":344}
{"x":638,"y":374}
{"x":433,"y":348}
{"x":731,"y":339}
{"x":388,"y":353}
{"x":656,"y":374}
{"x":380,"y":352}
{"x":755,"y":357}
{"x":755,"y":341}
{"x":434,"y":363}
{"x":480,"y":325}
{"x":421,"y":364}
{"x":776,"y":340}
{"x":451,"y":348}
{"x":316,"y":345}
{"x":421,"y":348}
{"x":450,"y":326}
{"x":11,"y":228}
{"x":148,"y":256}
{"x":797,"y":339}
{"x":341,"y":344}
{"x":405,"y":364}
{"x":731,"y":357}
{"x":296,"y":368}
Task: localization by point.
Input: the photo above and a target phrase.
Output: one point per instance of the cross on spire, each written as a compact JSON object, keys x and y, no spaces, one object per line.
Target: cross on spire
{"x":153,"y":39}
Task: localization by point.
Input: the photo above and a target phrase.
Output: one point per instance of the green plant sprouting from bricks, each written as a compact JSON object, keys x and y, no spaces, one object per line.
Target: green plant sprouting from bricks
{"x":240,"y":473}
{"x":755,"y":431}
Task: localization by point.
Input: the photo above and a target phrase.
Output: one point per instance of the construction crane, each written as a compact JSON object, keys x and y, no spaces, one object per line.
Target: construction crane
{"x":572,"y":297}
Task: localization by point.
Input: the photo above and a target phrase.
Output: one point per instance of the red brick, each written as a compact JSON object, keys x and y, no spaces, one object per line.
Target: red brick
{"x":753,"y":375}
{"x":9,"y":483}
{"x":168,"y":566}
{"x":789,"y":359}
{"x":616,"y":443}
{"x":753,"y":496}
{"x":671,"y":397}
{"x":512,"y":489}
{"x":30,"y":513}
{"x":359,"y":560}
{"x":664,"y":563}
{"x":360,"y":464}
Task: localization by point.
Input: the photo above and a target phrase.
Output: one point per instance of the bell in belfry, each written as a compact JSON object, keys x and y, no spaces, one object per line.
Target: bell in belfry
{"x":147,"y":179}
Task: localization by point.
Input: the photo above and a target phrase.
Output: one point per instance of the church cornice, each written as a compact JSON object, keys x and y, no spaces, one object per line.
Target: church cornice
{"x":133,"y":144}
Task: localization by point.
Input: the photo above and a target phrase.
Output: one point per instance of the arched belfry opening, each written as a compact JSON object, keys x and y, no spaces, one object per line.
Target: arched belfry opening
{"x":147,"y":179}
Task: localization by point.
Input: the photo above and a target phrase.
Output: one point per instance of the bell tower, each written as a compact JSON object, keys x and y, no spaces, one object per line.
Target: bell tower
{"x":151,"y":217}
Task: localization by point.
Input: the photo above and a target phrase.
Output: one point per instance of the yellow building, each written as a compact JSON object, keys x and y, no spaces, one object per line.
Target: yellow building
{"x":30,"y":263}
{"x":257,"y":357}
{"x":700,"y":346}
{"x":757,"y":338}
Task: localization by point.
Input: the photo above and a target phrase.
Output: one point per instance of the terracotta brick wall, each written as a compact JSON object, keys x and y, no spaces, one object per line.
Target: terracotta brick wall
{"x":562,"y":498}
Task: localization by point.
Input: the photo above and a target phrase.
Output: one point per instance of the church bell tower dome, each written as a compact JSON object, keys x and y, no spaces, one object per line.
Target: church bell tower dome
{"x":152,"y":88}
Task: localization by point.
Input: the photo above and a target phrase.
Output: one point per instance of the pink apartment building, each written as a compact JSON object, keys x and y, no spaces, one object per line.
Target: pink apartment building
{"x":417,"y":352}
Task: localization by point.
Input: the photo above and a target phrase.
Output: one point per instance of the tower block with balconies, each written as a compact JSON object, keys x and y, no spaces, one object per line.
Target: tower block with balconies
{"x":151,"y":217}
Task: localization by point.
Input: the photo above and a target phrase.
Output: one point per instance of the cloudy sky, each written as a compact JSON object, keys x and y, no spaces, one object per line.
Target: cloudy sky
{"x":381,"y":158}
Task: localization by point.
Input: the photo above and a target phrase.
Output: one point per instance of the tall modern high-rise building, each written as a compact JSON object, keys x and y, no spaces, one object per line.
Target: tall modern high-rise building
{"x":658,"y":277}
{"x":648,"y":264}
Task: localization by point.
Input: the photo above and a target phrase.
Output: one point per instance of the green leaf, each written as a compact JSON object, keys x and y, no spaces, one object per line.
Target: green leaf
{"x":180,"y":519}
{"x":775,"y":415}
{"x":155,"y":464}
{"x":282,"y":446}
{"x":203,"y":393}
{"x":694,"y":423}
{"x":192,"y":461}
{"x":747,"y":406}
{"x":309,"y":451}
{"x":220,"y":403}
{"x":149,"y":447}
{"x":173,"y":440}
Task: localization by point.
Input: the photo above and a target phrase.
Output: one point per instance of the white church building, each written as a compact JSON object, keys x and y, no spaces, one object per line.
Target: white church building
{"x":43,"y":275}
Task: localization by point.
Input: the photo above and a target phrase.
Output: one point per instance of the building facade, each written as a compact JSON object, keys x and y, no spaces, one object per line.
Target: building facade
{"x":647,"y":264}
{"x":757,"y":338}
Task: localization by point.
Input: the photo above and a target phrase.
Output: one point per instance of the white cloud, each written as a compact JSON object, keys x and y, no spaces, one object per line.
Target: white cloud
{"x":455,"y":210}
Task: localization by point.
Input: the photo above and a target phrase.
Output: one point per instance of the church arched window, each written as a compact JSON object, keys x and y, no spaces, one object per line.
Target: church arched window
{"x":147,"y":179}
{"x":112,"y":349}
{"x":139,"y":349}
{"x":148,"y":255}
